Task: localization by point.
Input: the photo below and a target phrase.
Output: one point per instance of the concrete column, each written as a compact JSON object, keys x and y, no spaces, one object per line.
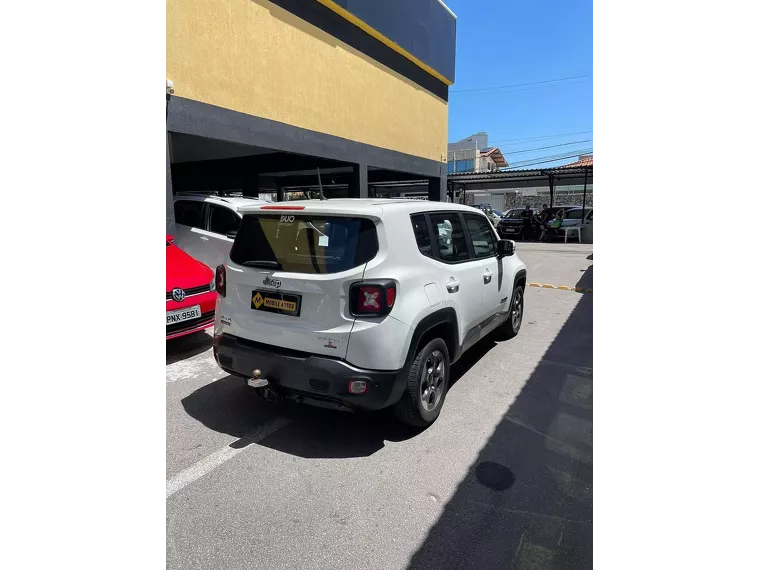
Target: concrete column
{"x":167,"y":196}
{"x":437,"y":188}
{"x":359,"y":184}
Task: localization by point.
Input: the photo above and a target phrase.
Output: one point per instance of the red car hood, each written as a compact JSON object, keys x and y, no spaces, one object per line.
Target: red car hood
{"x":185,"y":271}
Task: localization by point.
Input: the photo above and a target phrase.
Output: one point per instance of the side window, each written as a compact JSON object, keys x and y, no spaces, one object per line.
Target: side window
{"x":589,"y":217}
{"x":189,"y":213}
{"x":223,"y":220}
{"x":483,"y":240}
{"x":450,"y":237}
{"x":422,"y":234}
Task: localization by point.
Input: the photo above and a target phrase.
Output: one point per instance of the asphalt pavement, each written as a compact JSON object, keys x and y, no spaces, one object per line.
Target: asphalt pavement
{"x":503,"y":479}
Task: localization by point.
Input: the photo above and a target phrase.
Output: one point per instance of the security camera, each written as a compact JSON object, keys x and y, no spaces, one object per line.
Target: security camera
{"x":169,"y":87}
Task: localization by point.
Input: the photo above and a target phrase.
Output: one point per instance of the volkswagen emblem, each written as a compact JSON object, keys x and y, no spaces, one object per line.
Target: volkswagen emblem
{"x":177,"y":294}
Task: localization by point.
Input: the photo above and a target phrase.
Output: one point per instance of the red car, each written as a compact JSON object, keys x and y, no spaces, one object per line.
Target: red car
{"x":190,"y":293}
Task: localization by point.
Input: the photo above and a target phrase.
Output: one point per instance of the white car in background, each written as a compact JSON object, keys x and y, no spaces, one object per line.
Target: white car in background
{"x":206,"y":225}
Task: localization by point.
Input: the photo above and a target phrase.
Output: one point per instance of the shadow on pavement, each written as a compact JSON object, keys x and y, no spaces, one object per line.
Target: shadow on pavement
{"x":229,"y":406}
{"x":188,"y":346}
{"x":321,"y":433}
{"x":586,"y":280}
{"x":318,"y":433}
{"x":526,"y":502}
{"x":473,"y":356}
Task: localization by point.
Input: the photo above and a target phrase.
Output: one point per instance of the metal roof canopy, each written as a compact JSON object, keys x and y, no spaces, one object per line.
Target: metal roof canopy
{"x":518,"y":178}
{"x":528,"y":178}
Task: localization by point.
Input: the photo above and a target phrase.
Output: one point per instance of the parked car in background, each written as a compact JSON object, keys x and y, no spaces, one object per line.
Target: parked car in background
{"x":490,"y":213}
{"x":190,"y":293}
{"x":206,"y":225}
{"x":510,"y":225}
{"x":575,"y":217}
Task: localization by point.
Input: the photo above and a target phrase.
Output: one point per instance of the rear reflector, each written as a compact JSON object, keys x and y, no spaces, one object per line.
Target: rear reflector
{"x":390,"y":297}
{"x":357,"y":386}
{"x":283,"y":208}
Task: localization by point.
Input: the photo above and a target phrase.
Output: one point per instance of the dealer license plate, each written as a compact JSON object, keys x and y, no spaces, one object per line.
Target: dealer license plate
{"x":186,"y":314}
{"x":275,"y":302}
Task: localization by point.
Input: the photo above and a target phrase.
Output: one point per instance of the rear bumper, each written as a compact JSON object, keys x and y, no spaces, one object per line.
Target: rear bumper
{"x":196,"y":325}
{"x":317,"y":380}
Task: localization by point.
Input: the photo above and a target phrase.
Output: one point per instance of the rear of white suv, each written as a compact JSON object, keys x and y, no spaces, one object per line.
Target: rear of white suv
{"x":333,"y":303}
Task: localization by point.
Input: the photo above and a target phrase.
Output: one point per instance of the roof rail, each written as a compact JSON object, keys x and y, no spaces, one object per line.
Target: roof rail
{"x":210,"y":194}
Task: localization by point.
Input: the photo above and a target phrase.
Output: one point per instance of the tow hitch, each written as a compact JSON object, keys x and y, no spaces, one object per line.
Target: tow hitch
{"x":263,"y":387}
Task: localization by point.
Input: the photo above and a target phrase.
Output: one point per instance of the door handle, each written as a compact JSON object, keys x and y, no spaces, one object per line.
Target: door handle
{"x":487,"y":276}
{"x":453,"y":285}
{"x":204,"y":238}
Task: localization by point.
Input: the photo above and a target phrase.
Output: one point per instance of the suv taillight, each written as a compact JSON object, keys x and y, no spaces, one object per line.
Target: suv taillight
{"x":372,"y":298}
{"x":221,"y":280}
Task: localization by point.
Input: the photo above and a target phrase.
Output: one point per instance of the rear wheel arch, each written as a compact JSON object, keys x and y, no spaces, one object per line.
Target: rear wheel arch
{"x":440,"y":324}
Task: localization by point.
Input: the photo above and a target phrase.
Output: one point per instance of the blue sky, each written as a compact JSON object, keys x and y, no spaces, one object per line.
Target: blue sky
{"x":507,"y":42}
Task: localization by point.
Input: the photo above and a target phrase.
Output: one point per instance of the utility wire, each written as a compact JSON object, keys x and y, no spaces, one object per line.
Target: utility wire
{"x":476,"y":89}
{"x":544,"y":147}
{"x":551,"y":158}
{"x":539,"y":138}
{"x":509,"y":91}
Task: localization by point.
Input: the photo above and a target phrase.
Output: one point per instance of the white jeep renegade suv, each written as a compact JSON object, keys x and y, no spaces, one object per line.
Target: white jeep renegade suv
{"x":362,"y":304}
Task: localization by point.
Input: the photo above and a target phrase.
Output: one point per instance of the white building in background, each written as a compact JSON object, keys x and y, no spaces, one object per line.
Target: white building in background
{"x":472,"y":154}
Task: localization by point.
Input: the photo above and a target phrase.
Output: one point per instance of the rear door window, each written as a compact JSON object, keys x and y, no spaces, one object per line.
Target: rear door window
{"x":189,"y":213}
{"x":450,"y":237}
{"x":304,"y":244}
{"x":223,"y":220}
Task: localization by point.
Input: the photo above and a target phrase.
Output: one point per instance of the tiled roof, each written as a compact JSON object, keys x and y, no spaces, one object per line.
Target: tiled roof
{"x":495,"y":154}
{"x":584,"y":161}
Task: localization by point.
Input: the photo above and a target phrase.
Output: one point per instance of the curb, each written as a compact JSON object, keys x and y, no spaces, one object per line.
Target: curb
{"x":560,"y":287}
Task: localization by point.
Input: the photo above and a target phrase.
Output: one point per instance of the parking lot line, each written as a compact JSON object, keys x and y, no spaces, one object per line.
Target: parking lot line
{"x":208,"y":464}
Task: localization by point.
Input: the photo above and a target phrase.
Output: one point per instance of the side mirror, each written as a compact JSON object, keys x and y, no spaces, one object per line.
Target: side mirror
{"x":170,"y":239}
{"x":232,"y":234}
{"x":505,"y":247}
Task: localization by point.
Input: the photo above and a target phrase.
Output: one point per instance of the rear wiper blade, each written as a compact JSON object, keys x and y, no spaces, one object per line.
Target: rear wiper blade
{"x":262,"y":263}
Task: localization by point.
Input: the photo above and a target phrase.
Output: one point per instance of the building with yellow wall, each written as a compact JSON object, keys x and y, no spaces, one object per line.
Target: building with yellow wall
{"x":262,"y":92}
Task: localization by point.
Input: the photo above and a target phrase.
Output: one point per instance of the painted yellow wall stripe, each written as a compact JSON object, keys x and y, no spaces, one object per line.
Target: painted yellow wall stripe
{"x":385,"y":40}
{"x":562,"y":287}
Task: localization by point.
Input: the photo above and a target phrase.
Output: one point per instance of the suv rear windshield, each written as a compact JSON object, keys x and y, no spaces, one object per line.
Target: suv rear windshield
{"x":304,"y":244}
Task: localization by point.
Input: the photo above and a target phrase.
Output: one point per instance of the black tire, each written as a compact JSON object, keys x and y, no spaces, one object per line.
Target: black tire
{"x":511,"y":327}
{"x":413,"y":408}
